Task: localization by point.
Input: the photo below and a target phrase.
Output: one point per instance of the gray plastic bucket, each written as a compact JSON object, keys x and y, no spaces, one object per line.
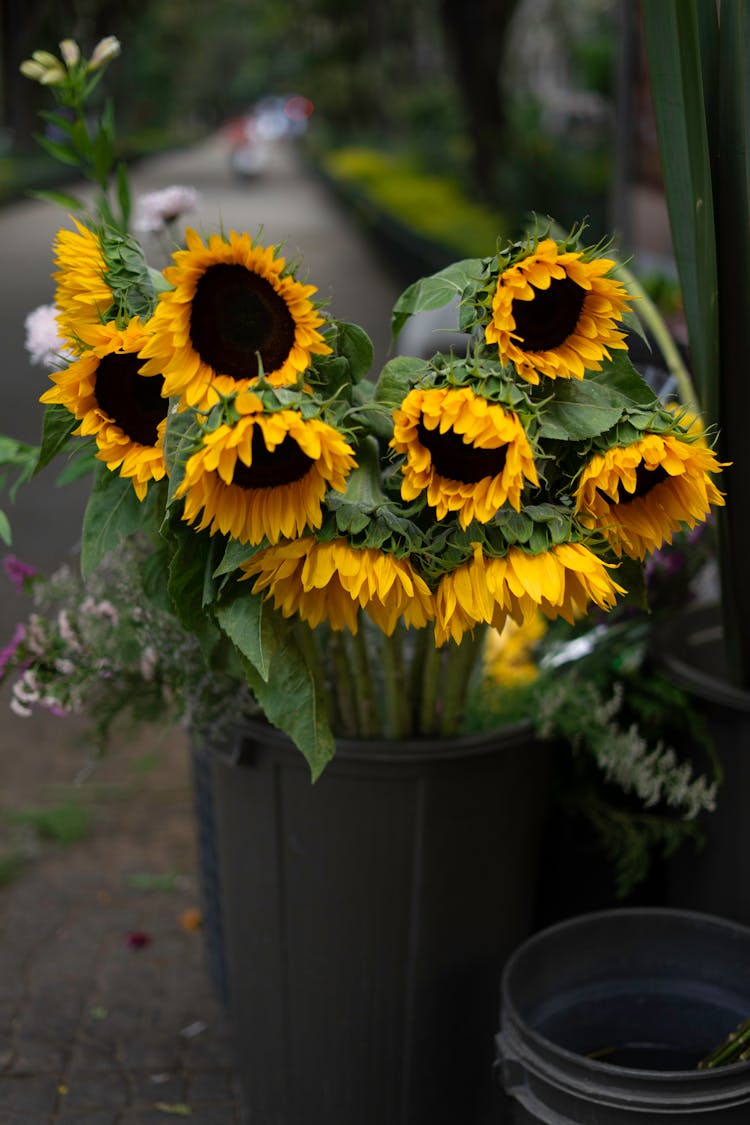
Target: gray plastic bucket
{"x":650,"y":990}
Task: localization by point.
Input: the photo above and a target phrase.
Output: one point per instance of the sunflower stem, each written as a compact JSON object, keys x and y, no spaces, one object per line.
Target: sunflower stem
{"x":396,"y":704}
{"x":654,"y":321}
{"x":343,"y":688}
{"x":461,"y":660}
{"x":431,"y":668}
{"x":423,"y":643}
{"x":363,"y":685}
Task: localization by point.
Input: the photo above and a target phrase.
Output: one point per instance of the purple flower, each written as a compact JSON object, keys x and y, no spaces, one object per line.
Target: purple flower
{"x":18,"y":571}
{"x":7,"y":653}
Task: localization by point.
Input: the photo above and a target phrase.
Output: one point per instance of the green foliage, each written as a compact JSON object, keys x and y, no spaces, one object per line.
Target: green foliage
{"x":64,"y":824}
{"x":699,"y":60}
{"x":433,"y":206}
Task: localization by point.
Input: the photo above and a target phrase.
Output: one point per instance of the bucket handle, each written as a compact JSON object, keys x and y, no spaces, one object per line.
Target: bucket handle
{"x":509,"y":1070}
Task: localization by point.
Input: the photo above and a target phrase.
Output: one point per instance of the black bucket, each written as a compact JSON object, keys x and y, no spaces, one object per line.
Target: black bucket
{"x":605,"y":1017}
{"x":367,"y":918}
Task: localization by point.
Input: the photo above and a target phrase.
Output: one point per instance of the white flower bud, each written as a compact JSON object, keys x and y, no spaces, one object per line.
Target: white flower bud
{"x":106,"y":49}
{"x":55,"y":76}
{"x":31,"y":69}
{"x":46,"y":59}
{"x":70,"y":52}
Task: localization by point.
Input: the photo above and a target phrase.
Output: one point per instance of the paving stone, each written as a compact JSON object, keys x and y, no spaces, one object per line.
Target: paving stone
{"x":33,"y":1093}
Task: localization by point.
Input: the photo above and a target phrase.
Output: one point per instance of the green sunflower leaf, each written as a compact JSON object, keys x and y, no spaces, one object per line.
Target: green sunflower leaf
{"x":154,"y":570}
{"x":356,"y":347}
{"x":398,"y":377}
{"x":82,"y":462}
{"x":580,"y":409}
{"x":620,"y":376}
{"x":112,"y":514}
{"x":292,"y":676}
{"x":57,"y":427}
{"x":235,"y":554}
{"x":252,"y":625}
{"x":188,"y":568}
{"x":435,"y":292}
{"x":179,"y":442}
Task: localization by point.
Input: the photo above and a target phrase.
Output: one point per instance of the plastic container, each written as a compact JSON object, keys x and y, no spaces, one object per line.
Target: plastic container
{"x":605,"y":1016}
{"x":715,"y":878}
{"x":367,"y":918}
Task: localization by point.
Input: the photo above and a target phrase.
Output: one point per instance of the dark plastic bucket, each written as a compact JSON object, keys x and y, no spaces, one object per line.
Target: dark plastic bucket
{"x":367,"y":918}
{"x":716,"y":878}
{"x":652,"y":991}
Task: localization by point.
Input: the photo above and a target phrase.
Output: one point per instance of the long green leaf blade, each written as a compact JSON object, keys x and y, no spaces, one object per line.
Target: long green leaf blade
{"x":676,"y":64}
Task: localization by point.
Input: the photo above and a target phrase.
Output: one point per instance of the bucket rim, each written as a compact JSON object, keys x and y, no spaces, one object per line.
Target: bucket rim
{"x":511,"y":1017}
{"x":405,"y":751}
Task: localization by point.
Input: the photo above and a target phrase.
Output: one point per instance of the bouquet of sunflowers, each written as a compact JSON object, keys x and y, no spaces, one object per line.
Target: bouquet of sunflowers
{"x":337,"y":542}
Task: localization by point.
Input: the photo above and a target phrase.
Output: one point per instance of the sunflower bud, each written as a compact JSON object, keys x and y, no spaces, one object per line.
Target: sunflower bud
{"x":106,"y":49}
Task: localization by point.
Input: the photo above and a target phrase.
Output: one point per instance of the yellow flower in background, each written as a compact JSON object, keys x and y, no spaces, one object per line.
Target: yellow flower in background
{"x":232,"y":312}
{"x":469,"y":455}
{"x":639,"y":495}
{"x":119,"y":406}
{"x":508,"y":652}
{"x":559,"y":582}
{"x":82,"y":296}
{"x":332,"y":581}
{"x":556,"y":314}
{"x":265,"y":476}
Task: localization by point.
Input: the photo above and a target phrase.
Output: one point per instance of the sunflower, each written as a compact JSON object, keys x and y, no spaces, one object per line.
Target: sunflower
{"x":116,"y":403}
{"x":331,"y":581}
{"x":82,"y":296}
{"x":266,"y":475}
{"x":559,"y":582}
{"x":470,"y":456}
{"x":232,"y":311}
{"x":509,"y":652}
{"x":639,"y":495}
{"x":555,"y":314}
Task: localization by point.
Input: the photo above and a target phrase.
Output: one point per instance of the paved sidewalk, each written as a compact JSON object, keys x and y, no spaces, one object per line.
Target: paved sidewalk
{"x":107,"y":1013}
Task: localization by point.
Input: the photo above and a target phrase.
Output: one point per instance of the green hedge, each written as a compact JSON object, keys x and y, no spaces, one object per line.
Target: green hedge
{"x":432,"y":206}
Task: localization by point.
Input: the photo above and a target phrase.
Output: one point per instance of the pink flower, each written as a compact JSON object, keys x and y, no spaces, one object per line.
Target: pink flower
{"x":7,"y":653}
{"x":18,"y":571}
{"x":157,"y":208}
{"x":43,"y":340}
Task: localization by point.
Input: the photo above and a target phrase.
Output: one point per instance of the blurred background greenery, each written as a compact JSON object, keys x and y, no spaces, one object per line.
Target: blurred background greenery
{"x":456,"y":120}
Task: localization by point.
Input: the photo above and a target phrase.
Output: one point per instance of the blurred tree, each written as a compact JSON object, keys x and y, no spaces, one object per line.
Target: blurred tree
{"x":475,"y":32}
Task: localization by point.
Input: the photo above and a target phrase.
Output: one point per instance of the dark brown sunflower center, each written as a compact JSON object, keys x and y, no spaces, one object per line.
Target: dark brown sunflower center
{"x":237,"y":316}
{"x":645,"y":480}
{"x":272,"y":469}
{"x":455,"y":460}
{"x":133,"y":401}
{"x":547,"y":320}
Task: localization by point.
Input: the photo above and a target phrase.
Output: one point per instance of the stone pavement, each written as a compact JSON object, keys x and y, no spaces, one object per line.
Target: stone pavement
{"x":107,"y":1014}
